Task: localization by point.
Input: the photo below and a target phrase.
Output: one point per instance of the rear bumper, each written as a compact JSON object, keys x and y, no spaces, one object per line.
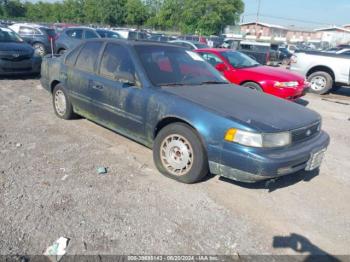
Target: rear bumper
{"x":251,"y":165}
{"x":28,"y":66}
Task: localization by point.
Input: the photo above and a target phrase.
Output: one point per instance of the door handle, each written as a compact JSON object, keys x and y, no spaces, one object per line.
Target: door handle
{"x":98,"y":87}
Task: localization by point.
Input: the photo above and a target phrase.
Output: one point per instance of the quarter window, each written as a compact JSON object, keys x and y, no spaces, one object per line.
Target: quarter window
{"x":88,"y":56}
{"x":72,"y":57}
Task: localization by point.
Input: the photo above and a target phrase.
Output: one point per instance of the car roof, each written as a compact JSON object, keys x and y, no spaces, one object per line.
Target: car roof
{"x":133,"y":42}
{"x":215,"y":50}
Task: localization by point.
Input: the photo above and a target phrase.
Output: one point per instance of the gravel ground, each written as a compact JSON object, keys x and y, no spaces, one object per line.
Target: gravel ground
{"x":49,"y":187}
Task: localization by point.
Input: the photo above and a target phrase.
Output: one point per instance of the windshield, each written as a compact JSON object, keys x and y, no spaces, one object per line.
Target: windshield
{"x":8,"y":36}
{"x":239,"y":60}
{"x":168,"y":65}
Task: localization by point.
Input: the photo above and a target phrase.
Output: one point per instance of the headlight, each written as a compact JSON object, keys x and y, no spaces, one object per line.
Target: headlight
{"x":257,"y":139}
{"x":286,"y":84}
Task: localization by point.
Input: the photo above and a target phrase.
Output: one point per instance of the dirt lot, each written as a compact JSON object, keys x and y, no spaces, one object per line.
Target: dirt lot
{"x":49,"y":188}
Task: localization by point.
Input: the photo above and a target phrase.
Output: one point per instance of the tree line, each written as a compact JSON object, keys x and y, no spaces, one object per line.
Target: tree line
{"x":188,"y":16}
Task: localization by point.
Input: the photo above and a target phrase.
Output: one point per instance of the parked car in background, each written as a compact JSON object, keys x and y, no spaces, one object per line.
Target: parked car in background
{"x":160,"y":38}
{"x":104,"y":33}
{"x":215,"y":41}
{"x":73,"y":36}
{"x":42,"y":38}
{"x":16,"y":56}
{"x":129,"y":34}
{"x":344,"y":52}
{"x":193,"y":38}
{"x":242,"y":70}
{"x":188,"y":44}
{"x":284,"y":55}
{"x":59,"y":27}
{"x":323,"y":70}
{"x":171,"y":100}
{"x":261,"y":52}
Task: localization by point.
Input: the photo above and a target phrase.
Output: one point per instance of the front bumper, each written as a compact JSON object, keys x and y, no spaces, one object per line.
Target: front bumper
{"x":21,"y":67}
{"x":291,"y":93}
{"x":251,"y":165}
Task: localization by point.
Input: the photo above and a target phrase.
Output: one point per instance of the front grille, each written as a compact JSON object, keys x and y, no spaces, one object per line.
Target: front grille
{"x":15,"y":55}
{"x":305,"y":133}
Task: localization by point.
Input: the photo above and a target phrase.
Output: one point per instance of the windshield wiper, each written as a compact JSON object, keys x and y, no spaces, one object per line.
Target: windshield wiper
{"x":213,"y":83}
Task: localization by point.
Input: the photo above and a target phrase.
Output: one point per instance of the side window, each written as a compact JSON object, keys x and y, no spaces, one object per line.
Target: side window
{"x":211,"y":59}
{"x":75,"y":33}
{"x":72,"y":56}
{"x":88,"y":56}
{"x":26,"y":31}
{"x":90,"y":34}
{"x":115,"y":62}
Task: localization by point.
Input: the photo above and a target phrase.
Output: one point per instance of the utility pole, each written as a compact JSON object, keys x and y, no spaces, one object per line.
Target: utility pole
{"x":257,"y":18}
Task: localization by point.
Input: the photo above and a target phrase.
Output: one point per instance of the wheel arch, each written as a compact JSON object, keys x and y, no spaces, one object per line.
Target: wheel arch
{"x":168,"y":120}
{"x":325,"y":69}
{"x":53,"y":84}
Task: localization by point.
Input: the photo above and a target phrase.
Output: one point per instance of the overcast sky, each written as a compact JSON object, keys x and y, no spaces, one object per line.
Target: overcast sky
{"x":300,"y":13}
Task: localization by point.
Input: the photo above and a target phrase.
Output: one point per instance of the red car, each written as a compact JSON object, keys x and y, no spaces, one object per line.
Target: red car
{"x":240,"y":69}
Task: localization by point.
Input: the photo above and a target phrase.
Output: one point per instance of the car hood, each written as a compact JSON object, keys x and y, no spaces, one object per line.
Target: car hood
{"x":23,"y":47}
{"x":273,"y":73}
{"x":259,"y":111}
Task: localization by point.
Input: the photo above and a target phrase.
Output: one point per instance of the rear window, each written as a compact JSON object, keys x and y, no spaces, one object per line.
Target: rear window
{"x":88,"y":56}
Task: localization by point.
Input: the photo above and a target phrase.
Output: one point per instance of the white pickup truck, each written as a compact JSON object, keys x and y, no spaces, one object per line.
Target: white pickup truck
{"x":323,"y":70}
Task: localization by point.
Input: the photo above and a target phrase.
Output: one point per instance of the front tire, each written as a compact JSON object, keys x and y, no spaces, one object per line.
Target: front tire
{"x":61,"y":103}
{"x":321,"y":83}
{"x":179,"y":154}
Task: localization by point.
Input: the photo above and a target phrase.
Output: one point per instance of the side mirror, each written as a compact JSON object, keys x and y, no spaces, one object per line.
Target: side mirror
{"x":221,"y":67}
{"x":126,"y":78}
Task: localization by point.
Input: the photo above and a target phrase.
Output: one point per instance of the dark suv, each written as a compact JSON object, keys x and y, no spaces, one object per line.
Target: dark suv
{"x":73,"y":36}
{"x":16,"y":56}
{"x":40,"y":37}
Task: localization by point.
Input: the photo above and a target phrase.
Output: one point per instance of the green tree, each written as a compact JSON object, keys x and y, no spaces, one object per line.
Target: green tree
{"x":13,"y":8}
{"x":136,"y":12}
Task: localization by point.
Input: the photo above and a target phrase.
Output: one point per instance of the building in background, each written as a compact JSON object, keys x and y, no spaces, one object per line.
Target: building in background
{"x":332,"y":36}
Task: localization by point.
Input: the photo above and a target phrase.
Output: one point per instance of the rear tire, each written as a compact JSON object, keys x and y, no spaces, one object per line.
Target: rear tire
{"x":179,"y":154}
{"x":61,"y":103}
{"x":321,"y":83}
{"x":62,"y":51}
{"x":253,"y":86}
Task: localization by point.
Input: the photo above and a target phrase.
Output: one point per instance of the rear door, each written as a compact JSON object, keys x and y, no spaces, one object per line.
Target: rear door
{"x":121,"y":106}
{"x":81,"y":76}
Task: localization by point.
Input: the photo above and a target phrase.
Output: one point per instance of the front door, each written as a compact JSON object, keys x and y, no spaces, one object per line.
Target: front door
{"x":121,"y":105}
